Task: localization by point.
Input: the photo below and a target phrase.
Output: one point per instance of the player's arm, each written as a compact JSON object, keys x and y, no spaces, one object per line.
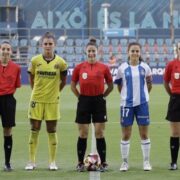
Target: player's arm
{"x":74,"y":89}
{"x":31,"y":80}
{"x":119,"y":87}
{"x":149,"y":83}
{"x":167,"y":87}
{"x":63,"y":79}
{"x":108,"y":89}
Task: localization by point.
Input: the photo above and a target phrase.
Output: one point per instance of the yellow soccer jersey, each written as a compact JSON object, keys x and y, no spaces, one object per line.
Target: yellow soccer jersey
{"x":46,"y":78}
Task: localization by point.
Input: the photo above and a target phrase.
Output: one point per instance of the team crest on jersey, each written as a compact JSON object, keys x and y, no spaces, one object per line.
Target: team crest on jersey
{"x":39,"y":64}
{"x":56,"y":66}
{"x":84,"y":75}
{"x":176,"y":75}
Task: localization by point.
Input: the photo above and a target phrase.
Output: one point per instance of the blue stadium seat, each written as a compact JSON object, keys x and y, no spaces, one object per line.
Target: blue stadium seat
{"x":162,"y":64}
{"x":32,"y":50}
{"x":116,"y":50}
{"x":124,"y":49}
{"x":79,"y":58}
{"x":152,"y":64}
{"x":14,"y":43}
{"x":106,"y":49}
{"x":170,"y":49}
{"x":40,"y":50}
{"x":150,"y":41}
{"x":123,"y":42}
{"x":105,"y":42}
{"x":69,"y":42}
{"x":106,"y":57}
{"x":79,"y":50}
{"x":70,"y":58}
{"x":115,"y":42}
{"x":168,"y":42}
{"x":69,"y":49}
{"x":60,"y":50}
{"x":33,"y":43}
{"x":142,"y":41}
{"x":132,"y":40}
{"x":160,"y":41}
{"x":60,"y":42}
{"x":23,"y":43}
{"x":176,"y":40}
{"x":79,"y":42}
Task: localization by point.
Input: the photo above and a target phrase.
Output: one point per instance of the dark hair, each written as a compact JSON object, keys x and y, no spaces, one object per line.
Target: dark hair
{"x":135,"y":44}
{"x":92,"y":42}
{"x":5,"y":42}
{"x":48,"y":35}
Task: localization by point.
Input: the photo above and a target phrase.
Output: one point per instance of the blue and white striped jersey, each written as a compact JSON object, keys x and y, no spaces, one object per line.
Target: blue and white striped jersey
{"x":133,"y":81}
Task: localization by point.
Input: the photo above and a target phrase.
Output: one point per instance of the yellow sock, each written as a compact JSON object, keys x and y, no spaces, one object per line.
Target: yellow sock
{"x":33,"y":141}
{"x":52,"y":141}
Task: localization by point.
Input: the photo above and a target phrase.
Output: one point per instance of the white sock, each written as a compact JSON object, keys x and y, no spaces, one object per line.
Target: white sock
{"x":146,"y":146}
{"x":125,"y":146}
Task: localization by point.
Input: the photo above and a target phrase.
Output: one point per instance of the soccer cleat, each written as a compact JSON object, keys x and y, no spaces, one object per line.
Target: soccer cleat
{"x":124,"y":166}
{"x":53,"y":166}
{"x":7,"y":167}
{"x":103,"y":167}
{"x":80,"y":167}
{"x":173,"y":166}
{"x":30,"y":166}
{"x":147,"y":166}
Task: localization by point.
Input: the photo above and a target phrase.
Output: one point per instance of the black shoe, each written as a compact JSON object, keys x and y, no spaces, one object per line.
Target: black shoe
{"x":173,"y":166}
{"x":7,"y":167}
{"x":80,"y":167}
{"x":103,"y":167}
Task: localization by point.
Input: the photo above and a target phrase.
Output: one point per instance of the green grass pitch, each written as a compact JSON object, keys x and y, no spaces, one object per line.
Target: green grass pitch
{"x":67,"y":134}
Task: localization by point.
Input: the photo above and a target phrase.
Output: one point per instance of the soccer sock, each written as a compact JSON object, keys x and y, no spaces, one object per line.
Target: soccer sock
{"x":174,"y":148}
{"x":81,"y":148}
{"x":52,"y":142}
{"x":125,"y":146}
{"x":33,"y":142}
{"x":101,"y":148}
{"x":7,"y":148}
{"x":146,"y":146}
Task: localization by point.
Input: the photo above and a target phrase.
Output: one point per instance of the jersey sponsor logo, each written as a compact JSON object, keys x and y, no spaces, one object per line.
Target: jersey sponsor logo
{"x":46,"y":73}
{"x":84,"y":75}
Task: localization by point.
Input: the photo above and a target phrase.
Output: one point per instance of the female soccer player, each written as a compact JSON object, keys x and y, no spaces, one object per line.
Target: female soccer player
{"x":91,"y":75}
{"x":172,"y":86}
{"x":9,"y":81}
{"x":47,"y":77}
{"x":134,"y":81}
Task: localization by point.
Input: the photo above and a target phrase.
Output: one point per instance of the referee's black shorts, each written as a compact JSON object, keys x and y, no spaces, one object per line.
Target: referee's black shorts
{"x":91,"y":108}
{"x":173,"y":113}
{"x":7,"y":110}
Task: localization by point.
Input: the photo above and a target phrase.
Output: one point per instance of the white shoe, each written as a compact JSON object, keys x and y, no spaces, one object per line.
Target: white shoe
{"x":147,"y":166}
{"x":124,"y":166}
{"x":53,"y":167}
{"x":30,"y":166}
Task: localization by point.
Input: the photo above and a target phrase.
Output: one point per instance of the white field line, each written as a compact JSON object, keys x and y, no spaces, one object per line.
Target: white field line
{"x":93,"y":175}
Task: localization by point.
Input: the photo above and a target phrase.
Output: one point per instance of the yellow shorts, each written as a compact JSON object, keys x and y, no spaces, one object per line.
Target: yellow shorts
{"x":43,"y":111}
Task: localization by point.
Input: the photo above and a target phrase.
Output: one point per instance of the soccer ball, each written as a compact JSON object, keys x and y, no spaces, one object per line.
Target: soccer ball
{"x":92,"y":162}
